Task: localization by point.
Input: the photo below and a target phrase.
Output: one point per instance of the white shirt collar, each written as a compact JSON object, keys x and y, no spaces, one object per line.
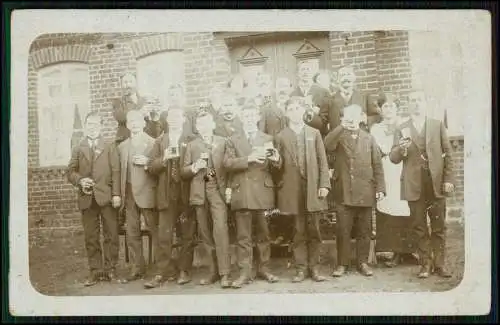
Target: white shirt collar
{"x":93,"y":143}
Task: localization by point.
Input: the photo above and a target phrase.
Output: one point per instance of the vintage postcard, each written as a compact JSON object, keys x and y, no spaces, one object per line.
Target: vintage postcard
{"x":260,"y":162}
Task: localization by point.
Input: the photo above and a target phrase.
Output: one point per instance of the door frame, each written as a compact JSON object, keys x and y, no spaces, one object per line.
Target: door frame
{"x":239,"y":38}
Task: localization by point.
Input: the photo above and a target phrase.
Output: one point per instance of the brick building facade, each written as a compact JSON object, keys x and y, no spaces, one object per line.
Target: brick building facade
{"x":382,"y":60}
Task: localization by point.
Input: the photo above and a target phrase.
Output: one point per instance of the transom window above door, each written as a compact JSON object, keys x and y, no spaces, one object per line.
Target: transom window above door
{"x":278,"y":54}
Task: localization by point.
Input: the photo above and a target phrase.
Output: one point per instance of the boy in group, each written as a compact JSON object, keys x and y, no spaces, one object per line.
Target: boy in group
{"x":138,"y":189}
{"x":304,"y":185}
{"x":252,"y":193}
{"x":171,"y":199}
{"x":95,"y":169}
{"x":203,"y":166}
{"x":359,"y":181}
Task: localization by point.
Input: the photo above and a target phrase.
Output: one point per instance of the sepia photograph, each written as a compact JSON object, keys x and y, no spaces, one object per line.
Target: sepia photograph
{"x":219,"y":163}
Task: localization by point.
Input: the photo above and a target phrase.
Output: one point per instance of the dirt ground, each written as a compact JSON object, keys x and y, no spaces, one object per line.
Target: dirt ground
{"x":58,"y":266}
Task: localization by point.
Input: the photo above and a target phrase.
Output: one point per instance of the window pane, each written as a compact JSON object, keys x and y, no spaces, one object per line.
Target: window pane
{"x":55,"y":91}
{"x":155,"y":73}
{"x":63,"y":90}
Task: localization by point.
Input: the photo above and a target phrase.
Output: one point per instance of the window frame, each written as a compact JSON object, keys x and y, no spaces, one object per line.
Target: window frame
{"x":152,"y":62}
{"x":46,"y":131}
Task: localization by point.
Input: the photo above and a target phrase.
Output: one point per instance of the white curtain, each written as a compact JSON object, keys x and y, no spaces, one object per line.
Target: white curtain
{"x":61,"y":88}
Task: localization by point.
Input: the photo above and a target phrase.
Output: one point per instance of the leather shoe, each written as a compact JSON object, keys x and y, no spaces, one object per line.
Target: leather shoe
{"x":134,"y":276}
{"x":269,"y":277}
{"x":442,"y":272}
{"x":183,"y":278}
{"x":210,"y":280}
{"x":299,"y":277}
{"x":91,"y":280}
{"x":339,"y":271}
{"x":111,"y":276}
{"x":424,"y":272}
{"x":365,"y":269}
{"x":317,"y":277}
{"x":154,"y":283}
{"x":225,"y":282}
{"x":240,"y":282}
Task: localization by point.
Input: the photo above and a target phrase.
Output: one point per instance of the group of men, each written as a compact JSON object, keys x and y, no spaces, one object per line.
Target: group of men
{"x":242,"y":159}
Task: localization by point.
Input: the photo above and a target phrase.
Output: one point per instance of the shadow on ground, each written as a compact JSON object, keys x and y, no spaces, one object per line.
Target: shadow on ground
{"x":58,"y":266}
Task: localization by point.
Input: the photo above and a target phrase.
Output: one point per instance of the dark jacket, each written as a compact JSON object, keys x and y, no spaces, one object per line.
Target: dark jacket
{"x":163,"y":172}
{"x":192,"y":153}
{"x":252,"y":184}
{"x":358,"y":170}
{"x":143,"y":183}
{"x":103,"y":167}
{"x":321,"y":98}
{"x":438,"y":151}
{"x":290,"y":182}
{"x":329,"y":115}
{"x":121,"y":106}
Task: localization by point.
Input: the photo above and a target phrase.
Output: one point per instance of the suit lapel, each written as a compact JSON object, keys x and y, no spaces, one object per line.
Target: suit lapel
{"x":85,"y":148}
{"x":126,"y":149}
{"x":217,"y":146}
{"x":427,"y":127}
{"x":290,"y":138}
{"x":308,"y":150}
{"x":98,"y":150}
{"x":242,"y":144}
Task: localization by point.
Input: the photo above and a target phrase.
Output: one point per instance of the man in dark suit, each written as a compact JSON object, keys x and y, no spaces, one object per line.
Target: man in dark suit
{"x":203,"y":166}
{"x":225,"y":114}
{"x":359,"y":180}
{"x":138,"y":188}
{"x":320,"y":99}
{"x":303,"y":186}
{"x":131,"y":100}
{"x":165,"y":164}
{"x":329,"y":115}
{"x":273,"y":118}
{"x":427,"y":176}
{"x":95,"y":169}
{"x":252,"y":193}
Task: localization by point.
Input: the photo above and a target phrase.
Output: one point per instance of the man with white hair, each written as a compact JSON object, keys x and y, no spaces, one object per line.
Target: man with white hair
{"x":320,"y":99}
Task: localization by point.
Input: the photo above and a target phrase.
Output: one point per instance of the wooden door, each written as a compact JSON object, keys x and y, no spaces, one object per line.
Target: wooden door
{"x":278,"y":53}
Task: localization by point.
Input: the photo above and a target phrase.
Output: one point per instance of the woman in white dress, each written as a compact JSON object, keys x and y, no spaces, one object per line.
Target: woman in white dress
{"x":391,"y":206}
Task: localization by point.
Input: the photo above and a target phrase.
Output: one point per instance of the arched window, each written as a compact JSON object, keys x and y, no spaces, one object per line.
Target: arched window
{"x":63,"y":103}
{"x":156,"y":72}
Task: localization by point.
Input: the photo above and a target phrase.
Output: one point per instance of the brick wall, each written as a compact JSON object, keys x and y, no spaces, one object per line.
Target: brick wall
{"x":380,"y":58}
{"x":51,"y":199}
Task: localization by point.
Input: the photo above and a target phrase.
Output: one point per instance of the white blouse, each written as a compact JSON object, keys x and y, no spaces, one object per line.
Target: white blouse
{"x":392,"y":203}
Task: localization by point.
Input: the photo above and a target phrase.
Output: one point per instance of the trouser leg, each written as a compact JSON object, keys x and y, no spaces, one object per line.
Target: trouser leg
{"x":218,"y":211}
{"x":343,"y":231}
{"x":244,"y":241}
{"x":109,"y":218}
{"x":313,"y":239}
{"x":166,"y":226}
{"x":363,"y":232}
{"x":263,"y":240}
{"x":91,"y":230}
